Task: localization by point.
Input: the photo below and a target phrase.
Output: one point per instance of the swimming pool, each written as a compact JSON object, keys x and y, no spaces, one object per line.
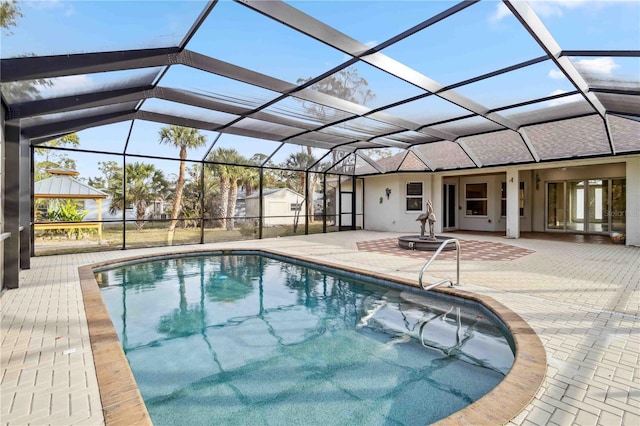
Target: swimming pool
{"x":253,"y":339}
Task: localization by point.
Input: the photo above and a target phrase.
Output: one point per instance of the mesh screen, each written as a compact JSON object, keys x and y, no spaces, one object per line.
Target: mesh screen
{"x":625,"y":133}
{"x":556,"y":109}
{"x":445,"y":155}
{"x":469,"y":126}
{"x":625,"y":104}
{"x":569,"y":138}
{"x":412,"y":163}
{"x":498,"y":147}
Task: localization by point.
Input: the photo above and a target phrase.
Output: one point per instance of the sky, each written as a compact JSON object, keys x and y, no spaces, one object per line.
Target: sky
{"x":480,"y":39}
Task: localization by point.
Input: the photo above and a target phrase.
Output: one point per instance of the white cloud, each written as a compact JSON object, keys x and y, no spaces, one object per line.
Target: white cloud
{"x":556,"y":74}
{"x":69,"y":11}
{"x":552,"y":8}
{"x":597,"y":66}
{"x":369,"y":44}
{"x":66,"y":7}
{"x":594,"y":67}
{"x":501,"y":11}
{"x":547,"y":8}
{"x":544,"y":8}
{"x":43,"y":4}
{"x":562,"y":101}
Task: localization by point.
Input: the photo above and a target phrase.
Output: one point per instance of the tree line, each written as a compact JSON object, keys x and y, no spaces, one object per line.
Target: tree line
{"x":226,"y":172}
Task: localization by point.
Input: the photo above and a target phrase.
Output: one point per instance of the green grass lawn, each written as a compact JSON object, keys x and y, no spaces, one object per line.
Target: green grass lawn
{"x":154,"y":236}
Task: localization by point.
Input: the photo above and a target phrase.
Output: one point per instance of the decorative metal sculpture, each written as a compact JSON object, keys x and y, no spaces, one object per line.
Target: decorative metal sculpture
{"x":431,"y":218}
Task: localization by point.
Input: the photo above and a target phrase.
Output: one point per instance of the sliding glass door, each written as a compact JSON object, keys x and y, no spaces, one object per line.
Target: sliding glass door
{"x":575,"y":203}
{"x":598,"y":197}
{"x":591,"y":206}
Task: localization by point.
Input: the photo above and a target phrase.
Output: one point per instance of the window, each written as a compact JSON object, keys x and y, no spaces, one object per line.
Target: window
{"x":414,"y":196}
{"x":503,"y":205}
{"x":296,"y":207}
{"x":476,"y":196}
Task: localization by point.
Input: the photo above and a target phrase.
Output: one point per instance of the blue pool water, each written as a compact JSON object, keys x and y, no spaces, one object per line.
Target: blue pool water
{"x":246,"y":339}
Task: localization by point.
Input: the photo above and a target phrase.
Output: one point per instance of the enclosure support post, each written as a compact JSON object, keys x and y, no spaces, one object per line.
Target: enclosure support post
{"x":306,"y":202}
{"x":260,"y":212}
{"x":353,"y":202}
{"x":362,"y":202}
{"x":202,"y":202}
{"x":324,"y":203}
{"x":11,"y":207}
{"x":26,"y":216}
{"x":339,"y":210}
{"x":32,"y":216}
{"x":124,"y":201}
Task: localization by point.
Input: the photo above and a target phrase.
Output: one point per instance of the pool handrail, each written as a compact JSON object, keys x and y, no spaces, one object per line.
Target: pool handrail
{"x":433,"y":257}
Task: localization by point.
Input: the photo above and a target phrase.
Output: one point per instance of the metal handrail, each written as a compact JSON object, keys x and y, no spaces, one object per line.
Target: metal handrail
{"x":433,"y":257}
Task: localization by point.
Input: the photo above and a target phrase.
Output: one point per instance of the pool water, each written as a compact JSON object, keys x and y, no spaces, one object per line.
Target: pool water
{"x":247,"y":339}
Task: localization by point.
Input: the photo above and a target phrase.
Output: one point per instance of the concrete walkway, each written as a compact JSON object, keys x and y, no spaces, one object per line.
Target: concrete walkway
{"x":583,"y":300}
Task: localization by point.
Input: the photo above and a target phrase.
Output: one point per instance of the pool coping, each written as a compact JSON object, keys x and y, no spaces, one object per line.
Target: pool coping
{"x":122,"y":403}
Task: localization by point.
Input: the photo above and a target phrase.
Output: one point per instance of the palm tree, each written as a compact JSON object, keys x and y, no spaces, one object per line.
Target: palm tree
{"x":144,"y":185}
{"x":184,"y":138}
{"x":250,"y":180}
{"x":191,"y":207}
{"x":228,"y":169}
{"x":270,"y":178}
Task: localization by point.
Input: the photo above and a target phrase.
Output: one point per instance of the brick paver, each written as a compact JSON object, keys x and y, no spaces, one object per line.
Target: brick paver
{"x":470,"y":250}
{"x":583,"y":301}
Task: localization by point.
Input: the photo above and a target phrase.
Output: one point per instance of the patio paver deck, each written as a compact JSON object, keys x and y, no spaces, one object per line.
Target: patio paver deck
{"x":583,"y":301}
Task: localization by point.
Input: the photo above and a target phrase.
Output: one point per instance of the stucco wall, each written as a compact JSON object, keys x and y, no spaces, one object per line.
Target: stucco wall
{"x":493,"y":221}
{"x":490,"y":222}
{"x":633,"y":201}
{"x":382,"y":214}
{"x":391,"y":215}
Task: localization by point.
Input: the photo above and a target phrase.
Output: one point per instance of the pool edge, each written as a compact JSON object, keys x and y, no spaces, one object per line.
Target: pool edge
{"x":122,"y":403}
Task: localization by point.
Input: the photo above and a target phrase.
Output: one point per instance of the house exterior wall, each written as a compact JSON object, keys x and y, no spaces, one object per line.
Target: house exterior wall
{"x":252,"y":207}
{"x":382,"y":214}
{"x":490,"y":222}
{"x":91,"y":206}
{"x":633,"y":201}
{"x":277,"y":208}
{"x":494,"y":220}
{"x":391,"y":215}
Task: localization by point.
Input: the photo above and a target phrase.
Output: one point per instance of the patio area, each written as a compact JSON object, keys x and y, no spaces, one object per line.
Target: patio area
{"x":581,"y":298}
